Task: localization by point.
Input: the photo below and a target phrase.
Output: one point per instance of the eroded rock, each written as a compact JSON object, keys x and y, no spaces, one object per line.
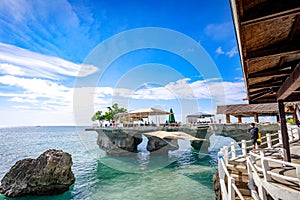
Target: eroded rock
{"x":49,"y":174}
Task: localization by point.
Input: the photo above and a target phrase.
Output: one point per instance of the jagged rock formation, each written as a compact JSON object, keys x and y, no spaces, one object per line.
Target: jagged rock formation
{"x":49,"y":174}
{"x":159,"y":145}
{"x":217,"y":186}
{"x":118,"y":143}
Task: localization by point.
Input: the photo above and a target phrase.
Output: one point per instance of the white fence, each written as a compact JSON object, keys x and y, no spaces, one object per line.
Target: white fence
{"x":238,"y":150}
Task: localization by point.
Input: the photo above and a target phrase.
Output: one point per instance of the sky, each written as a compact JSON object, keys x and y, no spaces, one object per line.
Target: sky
{"x":62,"y":60}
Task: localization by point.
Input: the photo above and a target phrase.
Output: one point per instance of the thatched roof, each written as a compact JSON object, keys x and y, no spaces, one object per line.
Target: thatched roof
{"x":268,"y":35}
{"x":247,"y":110}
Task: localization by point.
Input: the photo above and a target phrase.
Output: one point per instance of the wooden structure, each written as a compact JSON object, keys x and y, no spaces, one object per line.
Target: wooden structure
{"x":268,"y":35}
{"x":260,"y":174}
{"x":253,"y":110}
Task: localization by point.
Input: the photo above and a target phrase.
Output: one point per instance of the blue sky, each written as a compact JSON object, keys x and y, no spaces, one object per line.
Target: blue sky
{"x":172,"y":53}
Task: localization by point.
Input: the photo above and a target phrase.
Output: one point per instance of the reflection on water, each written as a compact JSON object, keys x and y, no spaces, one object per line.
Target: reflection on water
{"x":180,"y":174}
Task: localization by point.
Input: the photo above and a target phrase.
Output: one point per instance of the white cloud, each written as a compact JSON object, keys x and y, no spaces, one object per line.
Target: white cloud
{"x":34,"y":94}
{"x":232,"y":52}
{"x":219,"y":32}
{"x":219,"y":51}
{"x":6,"y":68}
{"x":18,"y":61}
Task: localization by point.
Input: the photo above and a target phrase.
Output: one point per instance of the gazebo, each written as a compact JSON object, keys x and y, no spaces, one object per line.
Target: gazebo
{"x":141,"y":113}
{"x":253,"y":110}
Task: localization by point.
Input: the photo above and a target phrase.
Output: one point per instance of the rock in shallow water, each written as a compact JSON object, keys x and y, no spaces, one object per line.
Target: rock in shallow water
{"x":49,"y":174}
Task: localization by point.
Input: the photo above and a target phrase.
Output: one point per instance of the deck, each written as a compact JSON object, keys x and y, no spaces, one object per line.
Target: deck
{"x":263,"y":173}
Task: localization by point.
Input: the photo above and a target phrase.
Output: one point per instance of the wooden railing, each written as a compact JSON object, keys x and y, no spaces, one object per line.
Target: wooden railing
{"x":238,"y":150}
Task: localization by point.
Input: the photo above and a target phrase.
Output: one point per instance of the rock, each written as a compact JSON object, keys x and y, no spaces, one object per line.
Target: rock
{"x":49,"y":174}
{"x":217,"y":186}
{"x":159,"y":145}
{"x":118,"y":143}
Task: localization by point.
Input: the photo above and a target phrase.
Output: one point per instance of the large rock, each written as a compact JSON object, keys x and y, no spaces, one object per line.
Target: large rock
{"x":159,"y":145}
{"x":116,"y":142}
{"x":49,"y":174}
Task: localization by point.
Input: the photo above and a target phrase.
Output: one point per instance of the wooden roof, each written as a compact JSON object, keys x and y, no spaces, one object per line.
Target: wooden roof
{"x":268,"y":35}
{"x":248,"y":110}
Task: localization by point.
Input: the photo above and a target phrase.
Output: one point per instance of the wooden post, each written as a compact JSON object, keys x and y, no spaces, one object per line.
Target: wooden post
{"x":233,"y":151}
{"x":277,"y":118}
{"x":227,"y":118}
{"x":244,"y":147}
{"x":239,"y":119}
{"x":256,"y":117}
{"x":225,"y":155}
{"x":279,"y":137}
{"x":284,"y":133}
{"x":265,"y":166}
{"x":231,"y":192}
{"x":269,"y":140}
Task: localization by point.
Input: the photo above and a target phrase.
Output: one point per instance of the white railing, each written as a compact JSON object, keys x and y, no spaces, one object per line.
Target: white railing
{"x":229,"y":191}
{"x":238,"y":150}
{"x":264,"y":167}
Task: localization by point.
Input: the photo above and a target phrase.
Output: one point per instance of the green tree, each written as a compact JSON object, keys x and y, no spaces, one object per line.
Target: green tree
{"x":110,"y":114}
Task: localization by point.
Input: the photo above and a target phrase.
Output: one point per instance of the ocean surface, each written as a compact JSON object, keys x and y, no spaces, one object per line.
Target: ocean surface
{"x":182,"y":174}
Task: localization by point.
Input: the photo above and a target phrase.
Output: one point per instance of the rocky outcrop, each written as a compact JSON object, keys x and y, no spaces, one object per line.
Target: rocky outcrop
{"x":49,"y":174}
{"x":118,"y":143}
{"x":217,"y":186}
{"x":159,"y":145}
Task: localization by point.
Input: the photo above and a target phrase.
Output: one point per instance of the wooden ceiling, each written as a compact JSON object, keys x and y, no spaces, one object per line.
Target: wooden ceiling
{"x":268,"y":35}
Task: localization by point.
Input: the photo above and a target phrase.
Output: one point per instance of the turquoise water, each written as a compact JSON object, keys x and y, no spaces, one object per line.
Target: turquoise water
{"x":182,"y":174}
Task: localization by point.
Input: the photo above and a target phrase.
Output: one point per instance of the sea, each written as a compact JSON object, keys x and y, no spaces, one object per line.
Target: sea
{"x":179,"y":175}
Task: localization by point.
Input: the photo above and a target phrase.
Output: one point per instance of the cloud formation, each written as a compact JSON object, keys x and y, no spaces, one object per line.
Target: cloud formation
{"x":219,"y":32}
{"x":22,"y":62}
{"x":230,"y":53}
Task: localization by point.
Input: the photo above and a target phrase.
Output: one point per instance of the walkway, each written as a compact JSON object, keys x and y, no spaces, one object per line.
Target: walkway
{"x":260,"y":174}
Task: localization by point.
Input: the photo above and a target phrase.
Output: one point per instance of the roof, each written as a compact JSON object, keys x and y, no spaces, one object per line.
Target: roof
{"x":247,"y":110}
{"x":141,"y":113}
{"x":200,"y":115}
{"x":268,"y":35}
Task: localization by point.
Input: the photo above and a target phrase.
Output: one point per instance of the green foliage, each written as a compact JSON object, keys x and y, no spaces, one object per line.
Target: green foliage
{"x":110,"y":114}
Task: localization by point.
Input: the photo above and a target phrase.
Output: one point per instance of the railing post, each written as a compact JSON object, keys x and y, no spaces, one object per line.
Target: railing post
{"x":269,"y":140}
{"x":250,"y":176}
{"x":225,"y":148}
{"x":265,"y":166}
{"x":298,"y":174}
{"x":283,"y":153}
{"x":231,"y":192}
{"x":233,"y":151}
{"x":279,"y":137}
{"x":291,"y":135}
{"x":244,"y":147}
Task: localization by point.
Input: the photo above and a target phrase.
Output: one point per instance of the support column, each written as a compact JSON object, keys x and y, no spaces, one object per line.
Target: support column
{"x":294,"y":114}
{"x":240,"y":119}
{"x":256,"y":117}
{"x":284,"y":132}
{"x":277,"y":118}
{"x":228,"y":118}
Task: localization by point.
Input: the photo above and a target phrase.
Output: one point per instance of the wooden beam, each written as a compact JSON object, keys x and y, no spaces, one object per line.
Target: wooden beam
{"x":265,"y":84}
{"x":240,"y":119}
{"x":283,"y":14}
{"x":227,"y":118}
{"x":270,"y":10}
{"x":256,"y":118}
{"x":274,"y":71}
{"x":282,"y":48}
{"x":291,"y":84}
{"x":284,"y":132}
